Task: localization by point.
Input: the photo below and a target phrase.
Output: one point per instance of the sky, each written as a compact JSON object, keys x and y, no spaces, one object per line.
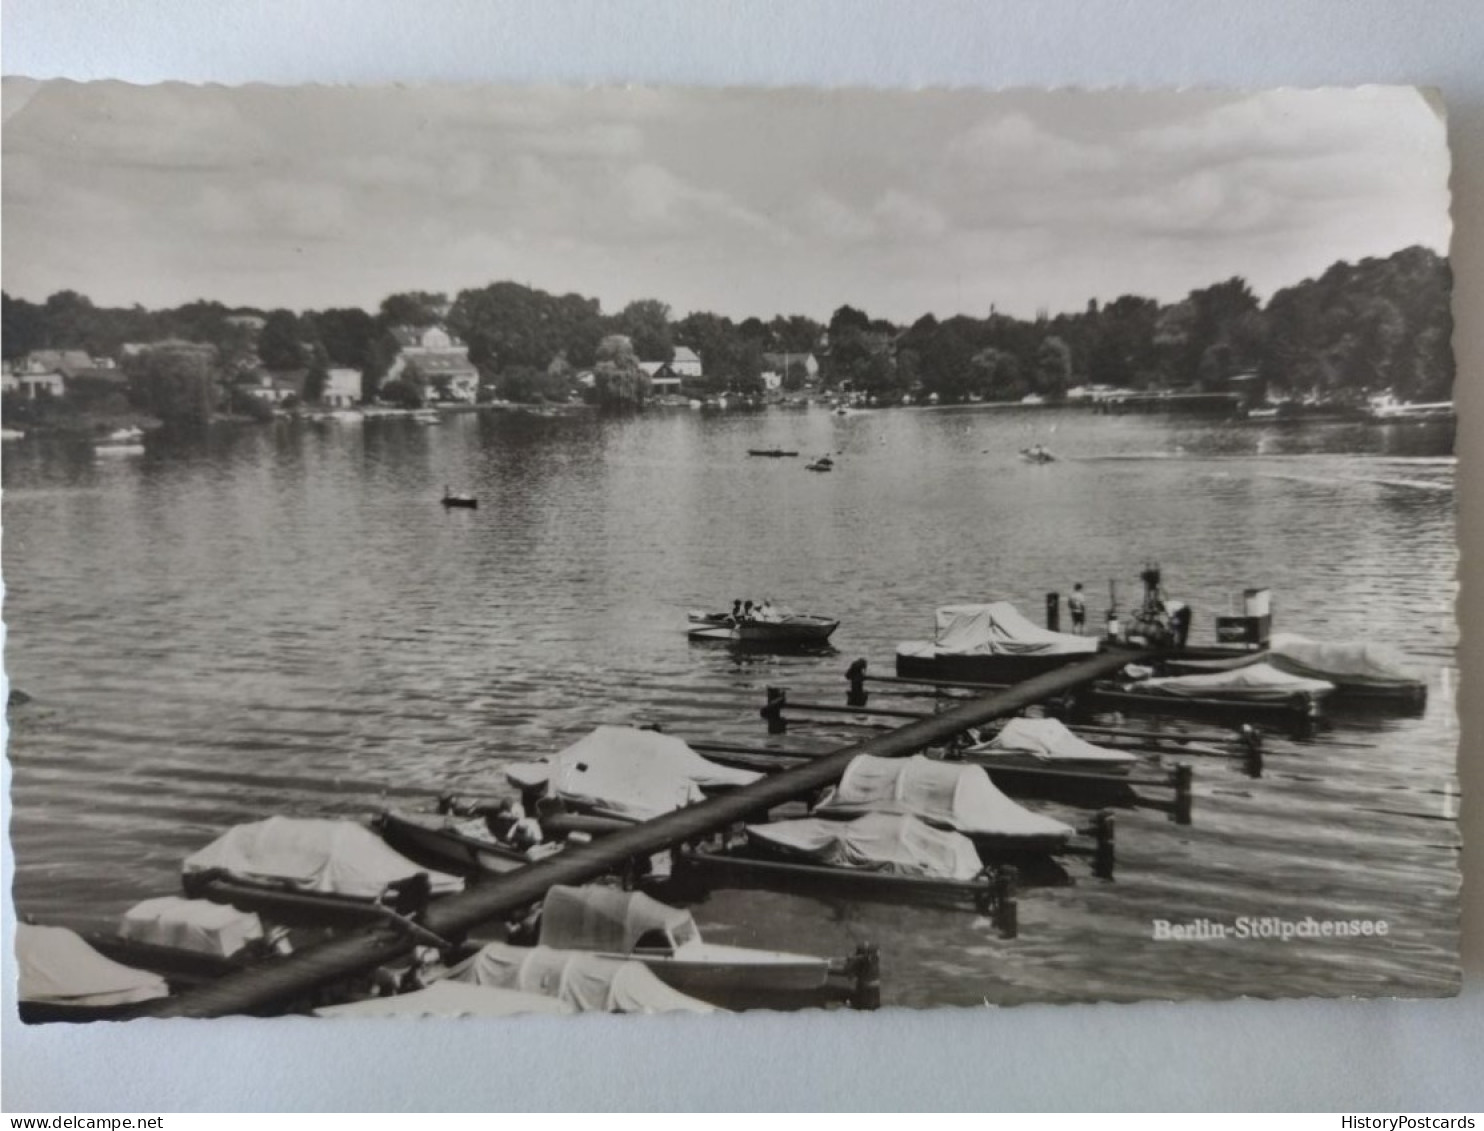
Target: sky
{"x":738,"y":201}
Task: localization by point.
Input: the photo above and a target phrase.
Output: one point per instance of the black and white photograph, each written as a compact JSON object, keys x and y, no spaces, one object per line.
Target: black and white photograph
{"x":514,"y":550}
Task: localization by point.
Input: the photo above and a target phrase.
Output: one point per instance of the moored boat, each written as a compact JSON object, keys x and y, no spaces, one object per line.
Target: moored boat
{"x":770,"y":453}
{"x":632,"y":926}
{"x":460,"y":500}
{"x":461,"y":846}
{"x":1359,"y":670}
{"x":1046,"y":744}
{"x":989,"y":643}
{"x":62,"y":978}
{"x":589,"y":983}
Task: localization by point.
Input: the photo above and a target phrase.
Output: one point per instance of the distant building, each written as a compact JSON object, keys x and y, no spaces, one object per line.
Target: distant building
{"x":440,"y":359}
{"x":253,"y":322}
{"x":685,"y":363}
{"x":777,"y":365}
{"x":40,"y":362}
{"x":665,"y":377}
{"x":342,"y":388}
{"x":34,"y":385}
{"x":276,"y":385}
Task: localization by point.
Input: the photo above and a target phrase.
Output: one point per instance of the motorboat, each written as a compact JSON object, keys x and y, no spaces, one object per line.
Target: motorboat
{"x":957,"y":797}
{"x":1256,"y":688}
{"x":311,"y":872}
{"x":626,"y":925}
{"x":768,"y":627}
{"x":62,"y":978}
{"x":460,"y":845}
{"x":1037,"y":454}
{"x":587,"y":982}
{"x":456,"y":501}
{"x":189,"y":941}
{"x":121,"y":442}
{"x":823,"y":463}
{"x":989,"y":643}
{"x":625,"y":774}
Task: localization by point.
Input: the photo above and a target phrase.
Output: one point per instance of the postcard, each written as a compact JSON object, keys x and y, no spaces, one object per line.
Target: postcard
{"x":484,"y":550}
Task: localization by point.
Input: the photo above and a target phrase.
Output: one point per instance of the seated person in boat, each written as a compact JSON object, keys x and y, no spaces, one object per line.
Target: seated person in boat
{"x":737,"y":610}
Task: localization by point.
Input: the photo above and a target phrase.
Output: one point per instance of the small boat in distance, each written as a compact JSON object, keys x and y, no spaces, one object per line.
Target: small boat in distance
{"x":427,"y":416}
{"x":1037,"y":454}
{"x":823,"y":463}
{"x":770,"y":453}
{"x":122,"y":442}
{"x":468,"y":502}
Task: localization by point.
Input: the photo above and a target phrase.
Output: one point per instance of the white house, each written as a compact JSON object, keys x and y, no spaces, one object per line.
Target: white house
{"x":342,"y":388}
{"x":33,"y":385}
{"x":685,"y":363}
{"x":440,"y":359}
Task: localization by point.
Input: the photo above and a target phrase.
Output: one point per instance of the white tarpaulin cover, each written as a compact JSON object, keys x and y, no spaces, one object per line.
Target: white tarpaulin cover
{"x":998,"y":629}
{"x":1050,"y":741}
{"x":1347,"y":664}
{"x":599,"y":918}
{"x":312,"y":855}
{"x":892,"y":843}
{"x":587,"y":982}
{"x":627,"y":773}
{"x":449,"y":999}
{"x":58,"y":967}
{"x":1256,"y":682}
{"x":950,"y":796}
{"x":196,"y":925}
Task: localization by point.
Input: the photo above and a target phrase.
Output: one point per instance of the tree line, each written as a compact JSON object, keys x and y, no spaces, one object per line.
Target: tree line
{"x":1381,"y":323}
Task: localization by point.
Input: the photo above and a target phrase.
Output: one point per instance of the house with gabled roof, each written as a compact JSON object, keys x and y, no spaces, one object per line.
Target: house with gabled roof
{"x":439,"y":359}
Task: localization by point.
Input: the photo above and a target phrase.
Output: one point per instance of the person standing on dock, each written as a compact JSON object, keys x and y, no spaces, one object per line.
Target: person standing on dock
{"x":1077,"y":605}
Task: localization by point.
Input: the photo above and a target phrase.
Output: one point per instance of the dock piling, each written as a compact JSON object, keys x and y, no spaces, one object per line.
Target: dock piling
{"x":772,"y":711}
{"x":866,"y":964}
{"x":1006,"y":910}
{"x":1102,"y":860}
{"x":1184,"y":776}
{"x":856,"y":675}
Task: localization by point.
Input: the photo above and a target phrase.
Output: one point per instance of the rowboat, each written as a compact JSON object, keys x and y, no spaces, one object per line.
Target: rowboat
{"x":121,"y":442}
{"x":189,"y":941}
{"x":771,"y":628}
{"x":770,"y":453}
{"x":825,"y":464}
{"x":1037,"y":455}
{"x":460,"y":846}
{"x":467,"y":502}
{"x":632,"y":926}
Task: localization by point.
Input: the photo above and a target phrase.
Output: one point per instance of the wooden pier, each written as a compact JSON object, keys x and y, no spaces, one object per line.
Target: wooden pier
{"x":265,"y":990}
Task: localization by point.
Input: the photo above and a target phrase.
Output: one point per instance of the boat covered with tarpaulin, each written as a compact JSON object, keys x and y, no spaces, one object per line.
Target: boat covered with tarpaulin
{"x":892,"y":844}
{"x":1259,"y":682}
{"x":989,"y":643}
{"x":947,"y":796}
{"x":632,"y":925}
{"x":309,"y":871}
{"x":450,"y":999}
{"x":1048,"y":743}
{"x":626,"y":773}
{"x":62,"y":978}
{"x":590,"y":983}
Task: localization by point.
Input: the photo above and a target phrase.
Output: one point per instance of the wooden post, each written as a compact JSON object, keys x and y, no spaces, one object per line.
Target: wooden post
{"x":867,"y":969}
{"x":856,"y":675}
{"x":1053,"y":612}
{"x":773,"y":710}
{"x":1252,"y":744}
{"x":1102,"y":861}
{"x":1183,"y":778}
{"x":1006,"y":910}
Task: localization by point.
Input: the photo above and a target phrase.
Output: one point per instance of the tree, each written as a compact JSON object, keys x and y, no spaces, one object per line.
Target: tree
{"x":1053,"y":368}
{"x":318,"y":375}
{"x":403,"y":393}
{"x":22,"y":326}
{"x":173,"y":384}
{"x":618,"y":382}
{"x":279,"y":341}
{"x":346,"y":333}
{"x":418,"y":309}
{"x":646,"y":323}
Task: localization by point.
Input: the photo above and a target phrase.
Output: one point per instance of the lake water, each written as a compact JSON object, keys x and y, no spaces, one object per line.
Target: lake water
{"x":283,"y":620}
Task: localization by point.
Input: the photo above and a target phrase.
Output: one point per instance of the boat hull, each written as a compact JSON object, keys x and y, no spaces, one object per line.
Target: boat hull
{"x":1000,"y":669}
{"x":788,"y":631}
{"x":445,"y":849}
